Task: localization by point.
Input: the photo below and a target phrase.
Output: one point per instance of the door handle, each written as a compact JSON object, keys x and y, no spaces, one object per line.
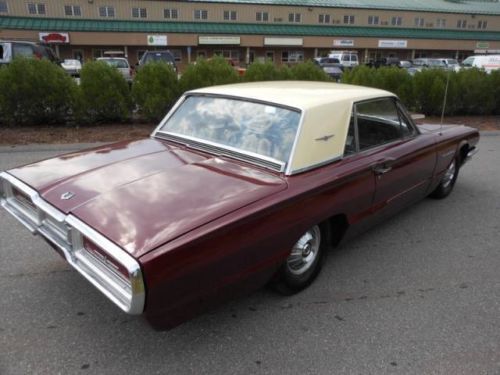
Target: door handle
{"x":381,"y":169}
{"x":383,"y":166}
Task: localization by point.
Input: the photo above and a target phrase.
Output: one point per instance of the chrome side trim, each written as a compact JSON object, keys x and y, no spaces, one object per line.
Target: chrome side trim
{"x":310,"y":167}
{"x":66,"y":233}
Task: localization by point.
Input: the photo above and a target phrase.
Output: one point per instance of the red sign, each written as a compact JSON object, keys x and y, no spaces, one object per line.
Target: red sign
{"x":54,"y":37}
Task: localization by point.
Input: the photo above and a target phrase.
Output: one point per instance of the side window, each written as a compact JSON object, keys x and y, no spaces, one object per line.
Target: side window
{"x":378,"y":123}
{"x":350,"y":142}
{"x":22,"y":50}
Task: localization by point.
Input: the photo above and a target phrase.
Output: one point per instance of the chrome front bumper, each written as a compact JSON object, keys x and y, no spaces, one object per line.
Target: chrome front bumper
{"x":66,"y":233}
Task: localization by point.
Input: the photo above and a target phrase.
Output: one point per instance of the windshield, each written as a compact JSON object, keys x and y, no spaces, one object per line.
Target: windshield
{"x":468,"y":61}
{"x":159,"y":56}
{"x":117,"y":63}
{"x":262,"y":129}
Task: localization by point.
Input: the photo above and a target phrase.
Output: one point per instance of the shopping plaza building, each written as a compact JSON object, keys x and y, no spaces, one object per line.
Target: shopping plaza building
{"x":284,"y":31}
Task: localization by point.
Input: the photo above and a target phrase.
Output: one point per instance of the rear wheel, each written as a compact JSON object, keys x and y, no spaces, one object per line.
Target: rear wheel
{"x":303,"y":264}
{"x":447,"y":181}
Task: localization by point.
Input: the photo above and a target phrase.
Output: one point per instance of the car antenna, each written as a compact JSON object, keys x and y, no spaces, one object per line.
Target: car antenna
{"x":444,"y":102}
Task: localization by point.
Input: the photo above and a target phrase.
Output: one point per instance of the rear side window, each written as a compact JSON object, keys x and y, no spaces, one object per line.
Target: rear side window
{"x":377,"y":122}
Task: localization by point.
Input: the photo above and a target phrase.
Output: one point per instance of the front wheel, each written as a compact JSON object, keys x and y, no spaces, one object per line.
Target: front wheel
{"x":447,"y":181}
{"x":303,"y":264}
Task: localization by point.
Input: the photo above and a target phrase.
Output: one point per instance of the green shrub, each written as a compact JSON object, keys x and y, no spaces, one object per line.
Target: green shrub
{"x":308,"y":71}
{"x":203,"y":73}
{"x":398,"y":81}
{"x":429,"y":87}
{"x":477,"y":93}
{"x":495,"y":84}
{"x":105,"y":94}
{"x":266,"y":71}
{"x":35,"y":92}
{"x":361,"y":75}
{"x":155,"y":90}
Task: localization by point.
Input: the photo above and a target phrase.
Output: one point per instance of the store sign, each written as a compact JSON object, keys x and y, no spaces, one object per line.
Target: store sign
{"x":483,"y":45}
{"x":483,"y":51}
{"x":219,"y":40}
{"x":343,"y":43}
{"x":277,"y":41}
{"x":54,"y":38}
{"x":393,"y":44}
{"x":157,"y":40}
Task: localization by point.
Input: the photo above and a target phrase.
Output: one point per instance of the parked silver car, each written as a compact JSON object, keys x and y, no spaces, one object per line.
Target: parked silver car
{"x":72,"y":67}
{"x":121,"y":64}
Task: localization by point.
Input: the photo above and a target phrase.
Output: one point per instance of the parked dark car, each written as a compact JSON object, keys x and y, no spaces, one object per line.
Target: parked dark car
{"x":158,"y":56}
{"x":9,"y":49}
{"x":238,"y":186}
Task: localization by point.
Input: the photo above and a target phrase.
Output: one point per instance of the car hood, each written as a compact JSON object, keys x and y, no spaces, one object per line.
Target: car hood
{"x":142,"y":194}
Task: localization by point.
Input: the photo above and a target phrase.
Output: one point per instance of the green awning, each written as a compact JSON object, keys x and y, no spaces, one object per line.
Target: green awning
{"x":65,"y":25}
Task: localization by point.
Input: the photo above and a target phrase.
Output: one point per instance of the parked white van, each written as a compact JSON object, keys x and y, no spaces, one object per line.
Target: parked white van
{"x":348,"y":59}
{"x":486,"y":62}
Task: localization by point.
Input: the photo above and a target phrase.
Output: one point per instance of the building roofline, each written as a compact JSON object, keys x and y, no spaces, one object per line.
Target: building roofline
{"x":491,"y":7}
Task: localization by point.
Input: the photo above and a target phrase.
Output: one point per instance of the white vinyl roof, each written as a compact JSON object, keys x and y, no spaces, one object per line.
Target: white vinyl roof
{"x":299,"y":94}
{"x":326,"y":110}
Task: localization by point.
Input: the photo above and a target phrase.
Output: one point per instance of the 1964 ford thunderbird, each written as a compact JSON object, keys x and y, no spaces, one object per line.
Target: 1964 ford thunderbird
{"x":240,"y":185}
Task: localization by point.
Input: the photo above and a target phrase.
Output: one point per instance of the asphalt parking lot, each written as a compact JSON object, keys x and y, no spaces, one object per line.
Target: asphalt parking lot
{"x":419,"y":294}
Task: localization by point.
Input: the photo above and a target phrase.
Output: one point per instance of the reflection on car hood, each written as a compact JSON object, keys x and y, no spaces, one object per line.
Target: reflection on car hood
{"x":142,"y":194}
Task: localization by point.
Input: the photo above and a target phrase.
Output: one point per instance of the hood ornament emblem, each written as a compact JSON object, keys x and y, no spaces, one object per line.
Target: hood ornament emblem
{"x":67,"y":195}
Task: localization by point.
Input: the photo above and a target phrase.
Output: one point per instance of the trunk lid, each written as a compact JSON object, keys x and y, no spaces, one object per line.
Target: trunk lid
{"x":143,"y":194}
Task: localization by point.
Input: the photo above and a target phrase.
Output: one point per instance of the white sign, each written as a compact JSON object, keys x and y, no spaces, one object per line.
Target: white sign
{"x":157,"y":40}
{"x":56,"y":38}
{"x":477,"y":51}
{"x":277,"y":41}
{"x":392,"y":43}
{"x":343,"y":43}
{"x":219,"y":40}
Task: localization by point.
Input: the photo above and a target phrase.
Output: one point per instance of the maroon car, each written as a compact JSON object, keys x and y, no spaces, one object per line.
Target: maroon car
{"x":239,"y":186}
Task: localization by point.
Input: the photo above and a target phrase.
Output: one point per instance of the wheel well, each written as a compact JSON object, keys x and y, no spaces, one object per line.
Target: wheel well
{"x":464,"y":150}
{"x":337,"y":226}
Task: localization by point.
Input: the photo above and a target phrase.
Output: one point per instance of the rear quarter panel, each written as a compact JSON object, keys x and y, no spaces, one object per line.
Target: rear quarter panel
{"x":240,"y":252}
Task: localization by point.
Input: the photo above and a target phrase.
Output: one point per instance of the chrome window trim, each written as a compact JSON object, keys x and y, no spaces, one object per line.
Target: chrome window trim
{"x":198,"y":144}
{"x":128,"y":295}
{"x":317,"y":165}
{"x":289,"y":170}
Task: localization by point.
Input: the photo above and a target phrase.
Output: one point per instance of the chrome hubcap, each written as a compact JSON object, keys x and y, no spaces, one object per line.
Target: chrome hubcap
{"x":304,"y":252}
{"x":449,"y":174}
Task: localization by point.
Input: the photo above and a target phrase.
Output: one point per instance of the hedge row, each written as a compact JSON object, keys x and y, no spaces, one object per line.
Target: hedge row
{"x":470,"y":91}
{"x":36,"y":92}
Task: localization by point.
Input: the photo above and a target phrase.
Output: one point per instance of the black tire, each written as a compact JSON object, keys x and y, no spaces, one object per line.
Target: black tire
{"x":447,"y":181}
{"x":304,"y":262}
